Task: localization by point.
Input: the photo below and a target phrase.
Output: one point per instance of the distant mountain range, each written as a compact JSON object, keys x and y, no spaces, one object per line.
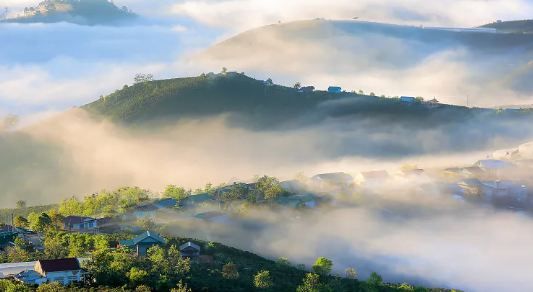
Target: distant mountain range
{"x":83,"y":12}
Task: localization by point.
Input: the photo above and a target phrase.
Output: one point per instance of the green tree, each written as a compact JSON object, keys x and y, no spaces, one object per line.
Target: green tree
{"x":177,"y":265}
{"x":55,"y":247}
{"x":406,"y":287}
{"x":230,"y":271}
{"x":20,"y":252}
{"x":262,"y":280}
{"x":39,"y":222}
{"x":137,"y":276}
{"x":181,"y":287}
{"x":21,"y":204}
{"x":20,"y":221}
{"x":269,"y":187}
{"x":51,"y":287}
{"x":311,"y":283}
{"x":143,"y":288}
{"x":8,"y":286}
{"x":176,"y":192}
{"x":236,"y":191}
{"x":375,"y":280}
{"x":323,"y":266}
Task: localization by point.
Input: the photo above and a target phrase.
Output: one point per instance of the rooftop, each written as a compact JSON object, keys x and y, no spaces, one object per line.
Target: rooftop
{"x":67,"y":264}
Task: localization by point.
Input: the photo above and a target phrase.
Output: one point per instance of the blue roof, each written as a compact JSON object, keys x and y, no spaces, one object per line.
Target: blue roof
{"x":141,"y":237}
{"x":334,"y":89}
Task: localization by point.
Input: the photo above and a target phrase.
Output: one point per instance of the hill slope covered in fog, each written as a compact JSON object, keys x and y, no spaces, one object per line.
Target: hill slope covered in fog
{"x":391,"y":59}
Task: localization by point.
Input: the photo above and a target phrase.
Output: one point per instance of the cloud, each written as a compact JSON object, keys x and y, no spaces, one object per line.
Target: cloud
{"x":407,"y":231}
{"x":238,"y":15}
{"x":70,"y":65}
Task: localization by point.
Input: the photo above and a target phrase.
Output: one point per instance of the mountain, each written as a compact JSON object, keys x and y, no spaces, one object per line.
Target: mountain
{"x":394,"y":59}
{"x":517,"y":26}
{"x":84,"y":12}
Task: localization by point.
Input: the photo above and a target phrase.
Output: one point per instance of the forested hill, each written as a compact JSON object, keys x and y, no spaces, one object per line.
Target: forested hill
{"x":258,"y":104}
{"x":84,"y":12}
{"x":517,"y":26}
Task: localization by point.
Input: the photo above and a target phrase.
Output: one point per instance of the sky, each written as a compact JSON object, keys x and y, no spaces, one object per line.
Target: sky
{"x":47,"y":68}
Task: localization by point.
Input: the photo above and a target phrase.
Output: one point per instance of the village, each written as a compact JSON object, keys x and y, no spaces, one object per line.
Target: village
{"x":503,"y":182}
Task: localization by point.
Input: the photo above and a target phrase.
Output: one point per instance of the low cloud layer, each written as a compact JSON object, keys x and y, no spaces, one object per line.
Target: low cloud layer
{"x":73,"y":154}
{"x":408,"y":232}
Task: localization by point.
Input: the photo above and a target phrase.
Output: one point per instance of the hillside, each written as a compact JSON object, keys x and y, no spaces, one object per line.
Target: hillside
{"x":517,"y":26}
{"x":395,"y":59}
{"x":252,"y":103}
{"x":84,"y":12}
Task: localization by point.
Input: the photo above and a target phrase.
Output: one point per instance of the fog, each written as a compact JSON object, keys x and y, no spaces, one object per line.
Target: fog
{"x":465,"y":68}
{"x":61,"y":155}
{"x":407,"y":231}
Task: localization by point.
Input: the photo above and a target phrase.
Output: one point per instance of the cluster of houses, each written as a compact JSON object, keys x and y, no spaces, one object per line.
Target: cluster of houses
{"x":500,"y":183}
{"x":69,"y":270}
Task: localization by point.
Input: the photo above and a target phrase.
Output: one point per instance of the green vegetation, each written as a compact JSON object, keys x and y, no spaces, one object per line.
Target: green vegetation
{"x":5,"y":214}
{"x":221,"y":268}
{"x":163,"y":269}
{"x":104,"y":203}
{"x":261,"y":105}
{"x":176,"y":192}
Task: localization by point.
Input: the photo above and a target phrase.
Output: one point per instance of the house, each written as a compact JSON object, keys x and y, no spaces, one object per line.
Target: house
{"x":30,"y":277}
{"x":9,"y":269}
{"x":65,"y":271}
{"x":80,"y":224}
{"x":142,"y":242}
{"x":408,"y":99}
{"x":190,"y":250}
{"x":334,"y":89}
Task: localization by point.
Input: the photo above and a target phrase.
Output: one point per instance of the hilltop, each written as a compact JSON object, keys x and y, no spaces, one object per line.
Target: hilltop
{"x":84,"y":12}
{"x":260,"y":104}
{"x":516,"y":26}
